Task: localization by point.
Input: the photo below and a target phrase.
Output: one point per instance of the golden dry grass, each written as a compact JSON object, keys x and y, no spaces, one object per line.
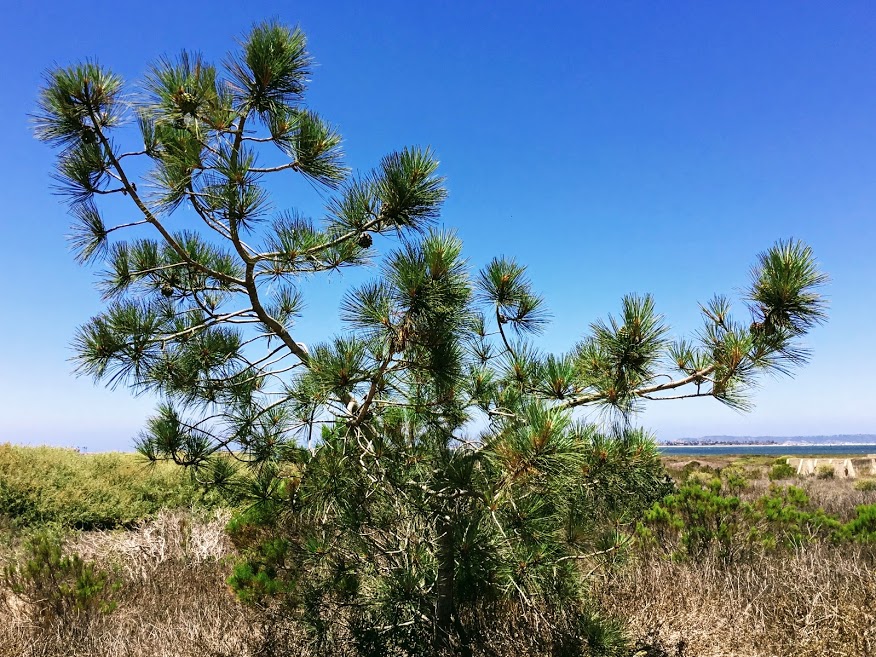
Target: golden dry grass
{"x":174,"y":601}
{"x":820,"y":600}
{"x":817,"y":600}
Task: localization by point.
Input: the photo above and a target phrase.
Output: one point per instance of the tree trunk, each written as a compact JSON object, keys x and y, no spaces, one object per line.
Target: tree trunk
{"x":445,"y":584}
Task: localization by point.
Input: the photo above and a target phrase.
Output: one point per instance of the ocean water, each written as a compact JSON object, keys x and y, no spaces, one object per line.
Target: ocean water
{"x":768,"y":450}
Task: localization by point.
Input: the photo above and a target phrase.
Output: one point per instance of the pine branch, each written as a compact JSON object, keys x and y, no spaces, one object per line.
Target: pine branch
{"x":151,"y":218}
{"x":670,"y":385}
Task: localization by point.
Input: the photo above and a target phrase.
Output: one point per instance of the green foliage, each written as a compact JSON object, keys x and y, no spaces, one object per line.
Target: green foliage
{"x":781,"y":470}
{"x":698,"y":516}
{"x":59,"y":587}
{"x":865,"y":485}
{"x":786,"y":517}
{"x":825,"y":472}
{"x":421,"y":475}
{"x":75,"y":103}
{"x":705,"y":519}
{"x":781,"y":289}
{"x":621,"y":356}
{"x":61,"y":487}
{"x":862,"y":527}
{"x":603,"y":637}
{"x":695,"y":466}
{"x":548,"y":496}
{"x":273,"y":68}
{"x":736,"y":479}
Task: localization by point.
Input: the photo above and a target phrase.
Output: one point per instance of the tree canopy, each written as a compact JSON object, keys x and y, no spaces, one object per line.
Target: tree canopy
{"x":424,"y":472}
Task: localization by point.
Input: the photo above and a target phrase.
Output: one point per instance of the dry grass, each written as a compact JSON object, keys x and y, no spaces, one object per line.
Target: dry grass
{"x":818,"y":601}
{"x":174,"y":601}
{"x":172,"y":537}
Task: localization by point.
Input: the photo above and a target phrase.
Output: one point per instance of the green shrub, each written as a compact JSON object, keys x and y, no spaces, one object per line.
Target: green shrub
{"x":696,"y":469}
{"x":753,"y":474}
{"x":693,"y":520}
{"x":62,"y":487}
{"x":781,"y":470}
{"x":58,"y":587}
{"x":704,"y":478}
{"x":825,"y":472}
{"x":704,"y":519}
{"x":865,"y":485}
{"x":736,"y":479}
{"x":785,"y":517}
{"x":863,"y":526}
{"x":602,"y":637}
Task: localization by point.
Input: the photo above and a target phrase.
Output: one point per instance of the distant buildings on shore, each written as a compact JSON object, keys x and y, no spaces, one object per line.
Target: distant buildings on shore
{"x":729,"y":441}
{"x":693,"y":442}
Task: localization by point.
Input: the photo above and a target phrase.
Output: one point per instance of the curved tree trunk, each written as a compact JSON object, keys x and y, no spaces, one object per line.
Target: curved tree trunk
{"x":445,"y":584}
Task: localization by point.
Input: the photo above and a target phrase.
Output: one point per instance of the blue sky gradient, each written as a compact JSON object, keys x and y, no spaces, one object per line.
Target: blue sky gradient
{"x":612,"y":147}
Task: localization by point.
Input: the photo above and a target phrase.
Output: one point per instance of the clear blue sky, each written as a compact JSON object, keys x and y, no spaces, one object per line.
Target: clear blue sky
{"x":614,"y":147}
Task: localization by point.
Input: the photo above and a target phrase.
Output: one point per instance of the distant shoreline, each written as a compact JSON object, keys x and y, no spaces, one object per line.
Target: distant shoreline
{"x":762,"y":440}
{"x":727,"y":443}
{"x":802,"y":450}
{"x":761,"y":444}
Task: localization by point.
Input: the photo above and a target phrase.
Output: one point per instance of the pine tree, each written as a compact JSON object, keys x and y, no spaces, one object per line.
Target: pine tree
{"x":421,"y":479}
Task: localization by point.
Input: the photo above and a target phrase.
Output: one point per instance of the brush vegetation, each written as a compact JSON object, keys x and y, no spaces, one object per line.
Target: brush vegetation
{"x":49,"y":486}
{"x":728,"y":562}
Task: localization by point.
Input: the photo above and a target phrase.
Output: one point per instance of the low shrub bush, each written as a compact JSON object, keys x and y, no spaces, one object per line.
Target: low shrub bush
{"x":59,"y":588}
{"x":865,"y":485}
{"x":691,"y":521}
{"x":781,"y":470}
{"x":736,"y":479}
{"x":705,"y":519}
{"x":826,"y":472}
{"x":862,"y":527}
{"x":62,"y":487}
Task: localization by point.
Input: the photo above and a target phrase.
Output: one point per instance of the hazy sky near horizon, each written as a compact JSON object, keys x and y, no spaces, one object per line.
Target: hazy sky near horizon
{"x":612,"y":147}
